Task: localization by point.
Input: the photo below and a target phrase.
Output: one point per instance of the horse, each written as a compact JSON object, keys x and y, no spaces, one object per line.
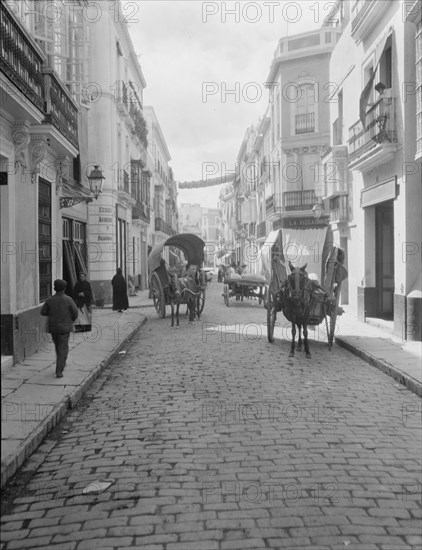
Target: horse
{"x":297,"y":301}
{"x":182,"y":290}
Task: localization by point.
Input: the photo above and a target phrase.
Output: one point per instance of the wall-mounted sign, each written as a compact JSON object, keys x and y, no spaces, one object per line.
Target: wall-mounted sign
{"x":380,"y":192}
{"x":305,"y":222}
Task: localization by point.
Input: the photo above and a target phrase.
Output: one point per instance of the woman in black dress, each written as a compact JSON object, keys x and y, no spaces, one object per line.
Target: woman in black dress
{"x":120,"y":299}
{"x":82,"y":294}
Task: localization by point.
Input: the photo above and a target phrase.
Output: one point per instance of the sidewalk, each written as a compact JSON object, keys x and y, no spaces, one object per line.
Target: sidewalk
{"x":33,"y":400}
{"x":375,"y":344}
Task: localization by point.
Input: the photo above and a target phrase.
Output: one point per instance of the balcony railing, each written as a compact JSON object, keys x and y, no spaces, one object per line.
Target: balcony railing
{"x":141,"y":211}
{"x":20,"y":60}
{"x":299,"y":200}
{"x":339,"y":207}
{"x":380,"y":127}
{"x":261,"y":230}
{"x":60,"y":110}
{"x":305,"y":124}
{"x":164,"y":227}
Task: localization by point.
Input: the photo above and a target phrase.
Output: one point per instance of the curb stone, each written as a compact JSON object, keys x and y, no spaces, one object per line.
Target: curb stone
{"x":410,"y":383}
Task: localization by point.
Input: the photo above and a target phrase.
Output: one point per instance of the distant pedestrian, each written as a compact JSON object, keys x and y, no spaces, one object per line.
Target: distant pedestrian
{"x":120,"y":299}
{"x":82,"y":294}
{"x":61,"y":311}
{"x":132,"y":287}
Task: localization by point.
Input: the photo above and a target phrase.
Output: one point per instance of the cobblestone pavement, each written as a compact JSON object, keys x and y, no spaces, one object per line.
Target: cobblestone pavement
{"x":215,"y":439}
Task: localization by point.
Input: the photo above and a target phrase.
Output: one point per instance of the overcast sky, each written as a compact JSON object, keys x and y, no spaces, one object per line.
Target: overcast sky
{"x":192,"y":51}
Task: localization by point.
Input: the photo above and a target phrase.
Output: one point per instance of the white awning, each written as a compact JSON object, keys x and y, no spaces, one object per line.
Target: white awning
{"x":305,"y":246}
{"x":265,"y":256}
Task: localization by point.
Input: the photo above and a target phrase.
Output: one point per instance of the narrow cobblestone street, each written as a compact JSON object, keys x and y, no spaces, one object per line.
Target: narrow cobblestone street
{"x":216,"y":440}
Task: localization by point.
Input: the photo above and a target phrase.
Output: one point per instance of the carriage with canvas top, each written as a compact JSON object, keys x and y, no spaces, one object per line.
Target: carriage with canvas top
{"x":192,"y":247}
{"x":316,"y":264}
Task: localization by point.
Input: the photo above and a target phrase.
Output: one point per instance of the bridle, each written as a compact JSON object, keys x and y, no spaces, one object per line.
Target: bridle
{"x":298,"y":286}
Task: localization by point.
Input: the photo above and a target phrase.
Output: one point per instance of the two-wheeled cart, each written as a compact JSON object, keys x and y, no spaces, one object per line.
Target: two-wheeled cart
{"x":192,"y":247}
{"x":327,"y":279}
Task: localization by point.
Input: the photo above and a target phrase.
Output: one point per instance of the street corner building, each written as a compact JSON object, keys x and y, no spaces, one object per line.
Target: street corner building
{"x":85,"y":179}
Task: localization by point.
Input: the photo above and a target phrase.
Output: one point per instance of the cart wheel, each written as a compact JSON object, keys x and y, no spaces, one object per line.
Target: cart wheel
{"x":333,"y":318}
{"x":271,"y":314}
{"x":226,"y":295}
{"x":158,"y":296}
{"x":201,"y":301}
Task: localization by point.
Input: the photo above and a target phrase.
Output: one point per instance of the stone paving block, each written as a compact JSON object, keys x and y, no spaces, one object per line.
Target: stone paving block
{"x":63,"y":546}
{"x":198,"y":545}
{"x":28,"y":543}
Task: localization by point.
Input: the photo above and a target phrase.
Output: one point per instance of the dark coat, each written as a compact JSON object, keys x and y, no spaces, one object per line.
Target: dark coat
{"x":61,"y":311}
{"x":87,"y":298}
{"x":120,"y":299}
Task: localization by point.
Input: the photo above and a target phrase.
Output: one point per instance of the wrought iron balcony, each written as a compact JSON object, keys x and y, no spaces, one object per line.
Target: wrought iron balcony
{"x":20,"y":60}
{"x":380,"y":130}
{"x":60,"y":111}
{"x":299,"y":200}
{"x":305,"y":123}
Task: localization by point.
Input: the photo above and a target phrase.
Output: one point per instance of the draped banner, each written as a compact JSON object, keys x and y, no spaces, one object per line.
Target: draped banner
{"x":207,"y":182}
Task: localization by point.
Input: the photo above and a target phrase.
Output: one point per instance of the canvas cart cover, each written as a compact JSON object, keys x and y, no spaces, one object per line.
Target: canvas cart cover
{"x":191,"y":245}
{"x":306,"y":246}
{"x":266,"y":253}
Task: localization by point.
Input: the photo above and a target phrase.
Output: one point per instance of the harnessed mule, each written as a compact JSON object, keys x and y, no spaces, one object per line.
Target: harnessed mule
{"x":296,"y":305}
{"x":183,"y":290}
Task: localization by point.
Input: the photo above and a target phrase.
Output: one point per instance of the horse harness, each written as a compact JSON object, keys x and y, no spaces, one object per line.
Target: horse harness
{"x":297,"y":292}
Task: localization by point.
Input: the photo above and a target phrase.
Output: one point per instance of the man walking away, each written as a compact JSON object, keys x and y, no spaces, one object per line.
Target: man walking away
{"x":61,"y":311}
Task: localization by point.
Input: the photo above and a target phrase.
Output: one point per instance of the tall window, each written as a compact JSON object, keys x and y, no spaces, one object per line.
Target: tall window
{"x":305,"y":110}
{"x":385,"y":66}
{"x":44,"y":239}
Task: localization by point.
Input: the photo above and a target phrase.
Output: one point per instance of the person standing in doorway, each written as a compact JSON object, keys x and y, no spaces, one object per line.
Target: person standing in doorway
{"x":61,"y":311}
{"x":120,"y":299}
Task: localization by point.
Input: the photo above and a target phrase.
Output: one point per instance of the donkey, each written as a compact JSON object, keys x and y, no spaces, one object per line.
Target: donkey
{"x":195,"y":285}
{"x":297,"y":301}
{"x":175,"y":296}
{"x":182,"y":290}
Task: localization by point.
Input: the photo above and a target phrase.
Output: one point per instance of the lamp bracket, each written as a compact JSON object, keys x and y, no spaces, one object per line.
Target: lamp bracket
{"x":67,"y":202}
